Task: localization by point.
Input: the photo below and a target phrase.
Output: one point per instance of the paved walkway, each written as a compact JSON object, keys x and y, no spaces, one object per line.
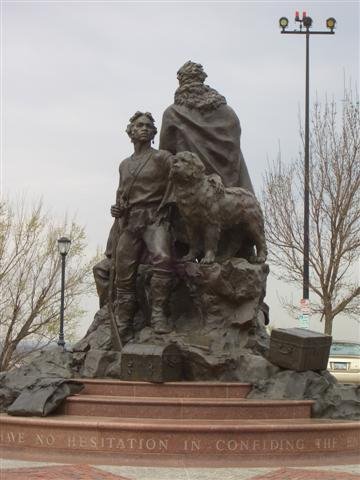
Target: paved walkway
{"x":16,"y":470}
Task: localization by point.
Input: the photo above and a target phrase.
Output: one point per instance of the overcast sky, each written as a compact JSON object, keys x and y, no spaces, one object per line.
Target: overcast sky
{"x":74,"y":72}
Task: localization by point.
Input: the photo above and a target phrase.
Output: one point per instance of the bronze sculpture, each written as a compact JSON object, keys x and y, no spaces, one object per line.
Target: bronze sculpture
{"x":146,"y":235}
{"x":208,"y":208}
{"x":200,"y":121}
{"x":143,"y":181}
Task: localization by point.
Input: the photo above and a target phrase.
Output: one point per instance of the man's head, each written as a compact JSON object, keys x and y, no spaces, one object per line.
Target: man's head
{"x":141,"y":127}
{"x":191,"y":72}
{"x":193,"y":93}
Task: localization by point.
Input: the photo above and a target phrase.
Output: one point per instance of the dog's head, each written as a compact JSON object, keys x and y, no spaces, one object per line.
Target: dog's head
{"x":186,"y":168}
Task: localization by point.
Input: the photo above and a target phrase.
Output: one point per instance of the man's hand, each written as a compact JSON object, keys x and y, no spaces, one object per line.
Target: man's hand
{"x":117,"y":211}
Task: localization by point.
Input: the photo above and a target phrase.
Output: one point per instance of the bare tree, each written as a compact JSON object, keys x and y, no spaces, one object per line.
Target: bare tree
{"x":334,"y":211}
{"x":30,"y":279}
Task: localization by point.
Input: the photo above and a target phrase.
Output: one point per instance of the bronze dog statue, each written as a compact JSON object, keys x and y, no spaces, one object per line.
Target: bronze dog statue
{"x":208,"y":208}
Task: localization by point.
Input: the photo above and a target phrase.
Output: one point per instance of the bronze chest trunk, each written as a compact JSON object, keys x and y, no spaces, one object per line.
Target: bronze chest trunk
{"x":299,"y":349}
{"x":151,"y":363}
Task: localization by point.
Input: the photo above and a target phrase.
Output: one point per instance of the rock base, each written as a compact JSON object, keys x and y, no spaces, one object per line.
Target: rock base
{"x":218,"y":321}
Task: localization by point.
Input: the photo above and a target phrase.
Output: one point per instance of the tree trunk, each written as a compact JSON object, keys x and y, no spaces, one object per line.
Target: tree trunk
{"x":328,"y":324}
{"x":5,"y":357}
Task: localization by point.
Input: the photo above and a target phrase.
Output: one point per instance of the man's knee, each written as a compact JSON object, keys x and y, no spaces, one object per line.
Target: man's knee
{"x":125,"y":273}
{"x":161,"y":260}
{"x":160,"y":255}
{"x":159,"y":247}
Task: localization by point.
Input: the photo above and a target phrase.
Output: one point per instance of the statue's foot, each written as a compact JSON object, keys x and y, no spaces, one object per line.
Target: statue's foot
{"x":126,"y":335}
{"x":162,"y":329}
{"x":190,"y":257}
{"x":161,"y":326}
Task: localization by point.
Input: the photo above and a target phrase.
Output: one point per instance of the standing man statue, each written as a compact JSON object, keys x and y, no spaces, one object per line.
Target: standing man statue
{"x":143,"y":181}
{"x":201,"y":122}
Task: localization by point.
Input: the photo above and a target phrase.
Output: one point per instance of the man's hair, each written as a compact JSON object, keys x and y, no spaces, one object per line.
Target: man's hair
{"x":137,"y":115}
{"x":193,"y":93}
{"x":191,"y":70}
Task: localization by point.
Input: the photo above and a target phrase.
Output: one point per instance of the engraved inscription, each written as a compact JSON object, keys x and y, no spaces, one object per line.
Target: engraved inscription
{"x":326,"y":443}
{"x":192,"y":445}
{"x":353,"y":442}
{"x":259,"y":445}
{"x":12,"y":438}
{"x":116,"y":443}
{"x":188,"y":445}
{"x":44,"y":440}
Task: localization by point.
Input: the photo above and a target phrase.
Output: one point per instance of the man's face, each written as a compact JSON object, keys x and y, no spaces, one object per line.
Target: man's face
{"x":142,"y":130}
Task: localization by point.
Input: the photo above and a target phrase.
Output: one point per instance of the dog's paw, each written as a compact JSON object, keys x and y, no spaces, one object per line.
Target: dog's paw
{"x":257,"y":259}
{"x":209,"y":258}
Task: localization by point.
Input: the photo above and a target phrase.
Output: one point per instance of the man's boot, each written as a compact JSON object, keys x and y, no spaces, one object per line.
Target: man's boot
{"x":125,"y":307}
{"x":160,"y":290}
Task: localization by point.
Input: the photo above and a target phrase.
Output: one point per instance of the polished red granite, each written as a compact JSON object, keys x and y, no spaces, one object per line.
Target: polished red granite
{"x":178,"y":430}
{"x":170,"y":389}
{"x":184,"y":408}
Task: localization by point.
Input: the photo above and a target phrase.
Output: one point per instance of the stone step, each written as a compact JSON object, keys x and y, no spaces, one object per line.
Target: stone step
{"x":184,"y":408}
{"x":169,"y":389}
{"x":193,"y":442}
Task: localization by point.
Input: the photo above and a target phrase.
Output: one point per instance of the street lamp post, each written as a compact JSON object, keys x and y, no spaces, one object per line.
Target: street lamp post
{"x":304,"y":29}
{"x":64,"y":247}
